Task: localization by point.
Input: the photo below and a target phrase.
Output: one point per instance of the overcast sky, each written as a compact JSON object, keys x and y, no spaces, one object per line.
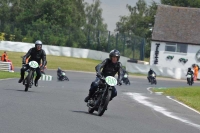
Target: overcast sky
{"x":112,"y":9}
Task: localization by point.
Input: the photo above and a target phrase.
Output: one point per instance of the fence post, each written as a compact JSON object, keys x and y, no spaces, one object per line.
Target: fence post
{"x":98,"y":41}
{"x":88,"y":40}
{"x":133,"y":48}
{"x":124,"y":43}
{"x":117,"y":41}
{"x":108,"y":41}
{"x":142,"y":49}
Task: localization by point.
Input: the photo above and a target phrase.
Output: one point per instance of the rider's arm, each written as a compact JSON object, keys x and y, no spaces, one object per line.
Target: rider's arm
{"x":120,"y":71}
{"x":26,"y":56}
{"x":44,"y":61}
{"x":100,"y":66}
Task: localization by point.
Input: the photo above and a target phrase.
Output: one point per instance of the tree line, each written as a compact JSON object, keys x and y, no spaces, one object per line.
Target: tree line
{"x":75,"y":23}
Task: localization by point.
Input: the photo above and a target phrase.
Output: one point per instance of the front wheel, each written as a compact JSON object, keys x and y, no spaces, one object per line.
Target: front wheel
{"x":90,"y":110}
{"x":104,"y":103}
{"x":28,"y":80}
{"x":66,"y":78}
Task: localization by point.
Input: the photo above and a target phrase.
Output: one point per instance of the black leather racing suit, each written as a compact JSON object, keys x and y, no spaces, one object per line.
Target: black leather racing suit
{"x":150,"y":73}
{"x":59,"y":74}
{"x":35,"y":55}
{"x":109,"y":69}
{"x":190,"y":73}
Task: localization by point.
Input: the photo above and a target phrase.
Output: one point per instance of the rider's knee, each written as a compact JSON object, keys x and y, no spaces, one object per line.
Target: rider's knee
{"x":94,"y":84}
{"x":39,"y":75}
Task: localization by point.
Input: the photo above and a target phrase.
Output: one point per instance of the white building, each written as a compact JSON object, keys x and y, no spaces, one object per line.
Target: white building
{"x":176,"y":37}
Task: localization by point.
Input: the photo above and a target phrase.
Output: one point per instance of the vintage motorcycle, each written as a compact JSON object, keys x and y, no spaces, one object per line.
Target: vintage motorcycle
{"x":28,"y":81}
{"x":102,"y":96}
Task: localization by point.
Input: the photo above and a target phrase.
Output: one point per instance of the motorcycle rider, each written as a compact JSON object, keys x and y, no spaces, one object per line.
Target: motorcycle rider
{"x":59,"y":73}
{"x":190,"y":72}
{"x":150,"y":73}
{"x":36,"y":54}
{"x":110,"y":67}
{"x":123,"y":73}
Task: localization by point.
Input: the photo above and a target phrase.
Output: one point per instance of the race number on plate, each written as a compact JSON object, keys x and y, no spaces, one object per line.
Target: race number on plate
{"x":33,"y":64}
{"x":111,"y":81}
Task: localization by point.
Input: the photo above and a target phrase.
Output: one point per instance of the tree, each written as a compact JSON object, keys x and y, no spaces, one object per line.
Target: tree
{"x":94,"y":23}
{"x":44,"y":19}
{"x":138,"y":23}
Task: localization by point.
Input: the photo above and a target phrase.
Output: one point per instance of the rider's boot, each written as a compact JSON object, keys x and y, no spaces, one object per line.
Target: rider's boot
{"x":21,"y":78}
{"x":88,"y":97}
{"x":36,"y":81}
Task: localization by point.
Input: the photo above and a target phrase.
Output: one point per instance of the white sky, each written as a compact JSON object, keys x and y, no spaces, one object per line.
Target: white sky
{"x":112,"y":9}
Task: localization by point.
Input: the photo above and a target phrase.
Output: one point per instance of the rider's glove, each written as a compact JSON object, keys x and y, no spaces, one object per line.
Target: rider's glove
{"x":99,"y":75}
{"x":42,"y":68}
{"x":119,"y":82}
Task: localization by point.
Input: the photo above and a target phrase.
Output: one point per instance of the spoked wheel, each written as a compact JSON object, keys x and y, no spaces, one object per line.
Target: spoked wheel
{"x":28,"y":80}
{"x":104,"y":103}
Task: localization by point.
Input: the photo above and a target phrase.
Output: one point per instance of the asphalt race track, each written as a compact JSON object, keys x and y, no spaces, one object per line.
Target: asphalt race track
{"x":58,"y":107}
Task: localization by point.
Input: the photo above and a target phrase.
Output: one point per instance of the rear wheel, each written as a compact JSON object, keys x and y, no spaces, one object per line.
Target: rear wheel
{"x":189,"y":81}
{"x":151,"y":81}
{"x":28,"y":80}
{"x":104,"y":103}
{"x":155,"y":82}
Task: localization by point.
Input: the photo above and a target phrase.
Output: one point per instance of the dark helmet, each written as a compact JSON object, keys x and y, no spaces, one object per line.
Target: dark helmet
{"x":189,"y":69}
{"x":114,"y":53}
{"x":38,"y":42}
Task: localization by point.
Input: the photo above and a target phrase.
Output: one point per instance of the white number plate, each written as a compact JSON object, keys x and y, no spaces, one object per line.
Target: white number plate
{"x":111,"y":81}
{"x":33,"y":64}
{"x":125,"y":76}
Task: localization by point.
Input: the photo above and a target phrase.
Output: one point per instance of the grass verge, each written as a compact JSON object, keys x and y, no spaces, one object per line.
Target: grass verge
{"x":188,"y":95}
{"x":4,"y":75}
{"x":66,"y":63}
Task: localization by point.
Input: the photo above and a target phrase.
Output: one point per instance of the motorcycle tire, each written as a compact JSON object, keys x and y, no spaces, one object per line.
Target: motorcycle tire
{"x":90,"y":110}
{"x":103,"y":107}
{"x":28,"y":80}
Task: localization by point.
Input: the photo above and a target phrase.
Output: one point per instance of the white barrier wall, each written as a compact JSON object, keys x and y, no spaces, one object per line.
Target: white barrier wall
{"x":176,"y":73}
{"x":97,"y":55}
{"x":59,"y":51}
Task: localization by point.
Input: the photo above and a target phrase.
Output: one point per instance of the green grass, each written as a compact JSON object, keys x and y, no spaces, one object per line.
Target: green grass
{"x":66,"y":63}
{"x":188,"y":95}
{"x":137,"y":74}
{"x":4,"y":75}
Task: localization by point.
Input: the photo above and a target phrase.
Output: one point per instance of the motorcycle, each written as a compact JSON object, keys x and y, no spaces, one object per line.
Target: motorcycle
{"x":189,"y":80}
{"x":101,"y":98}
{"x":28,"y":81}
{"x":63,"y":77}
{"x":125,"y":79}
{"x":153,"y":79}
